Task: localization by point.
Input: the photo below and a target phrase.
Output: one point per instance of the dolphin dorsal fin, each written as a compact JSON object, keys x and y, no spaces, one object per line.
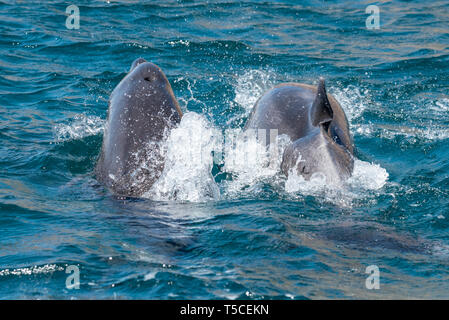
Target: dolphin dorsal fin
{"x":321,"y":109}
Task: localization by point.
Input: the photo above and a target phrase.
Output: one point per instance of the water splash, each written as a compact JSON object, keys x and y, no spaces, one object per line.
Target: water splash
{"x":366,"y":178}
{"x":353,"y":100}
{"x":189,"y":160}
{"x":250,"y":162}
{"x":390,"y":132}
{"x":48,"y":268}
{"x":80,"y":127}
{"x":251,"y":85}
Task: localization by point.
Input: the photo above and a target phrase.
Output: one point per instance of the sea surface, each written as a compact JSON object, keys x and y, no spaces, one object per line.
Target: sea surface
{"x":233,"y":229}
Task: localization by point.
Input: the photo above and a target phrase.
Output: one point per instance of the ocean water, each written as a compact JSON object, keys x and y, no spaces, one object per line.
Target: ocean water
{"x":234,"y":229}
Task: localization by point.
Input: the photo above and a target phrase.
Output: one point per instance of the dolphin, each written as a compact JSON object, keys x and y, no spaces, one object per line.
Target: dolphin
{"x":142,"y":110}
{"x":315,"y":123}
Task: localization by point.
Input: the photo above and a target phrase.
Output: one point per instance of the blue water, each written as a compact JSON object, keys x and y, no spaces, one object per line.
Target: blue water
{"x":261,"y":236}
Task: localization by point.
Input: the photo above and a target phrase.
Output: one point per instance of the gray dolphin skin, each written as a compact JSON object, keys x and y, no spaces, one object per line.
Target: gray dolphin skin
{"x":142,"y":108}
{"x":315,"y":123}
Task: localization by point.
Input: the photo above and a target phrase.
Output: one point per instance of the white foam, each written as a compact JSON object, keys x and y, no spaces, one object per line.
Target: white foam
{"x":252,"y":165}
{"x":441,"y":105}
{"x":189,"y":160}
{"x":437,"y":108}
{"x":366,"y":178}
{"x":48,"y":268}
{"x":80,"y":127}
{"x":250,"y":161}
{"x":435,"y":133}
{"x":181,"y":42}
{"x":432,"y":133}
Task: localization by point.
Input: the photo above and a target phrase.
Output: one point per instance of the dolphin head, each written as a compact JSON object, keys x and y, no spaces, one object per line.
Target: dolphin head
{"x":323,"y":151}
{"x":318,"y":155}
{"x":142,"y":109}
{"x":146,"y":88}
{"x":151,"y":73}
